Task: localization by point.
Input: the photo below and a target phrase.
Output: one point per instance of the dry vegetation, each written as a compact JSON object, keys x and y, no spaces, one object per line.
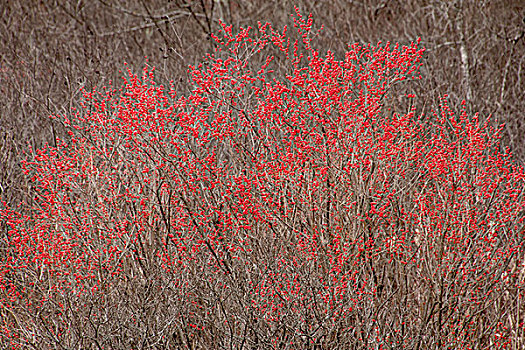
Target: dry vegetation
{"x":49,"y":50}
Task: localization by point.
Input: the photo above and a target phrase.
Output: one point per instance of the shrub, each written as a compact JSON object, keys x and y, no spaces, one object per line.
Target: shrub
{"x":276,"y":206}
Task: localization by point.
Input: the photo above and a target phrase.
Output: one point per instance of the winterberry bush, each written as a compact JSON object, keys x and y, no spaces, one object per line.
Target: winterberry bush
{"x":280,"y":204}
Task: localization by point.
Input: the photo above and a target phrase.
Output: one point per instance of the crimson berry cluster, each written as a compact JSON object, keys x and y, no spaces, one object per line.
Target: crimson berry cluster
{"x":277,"y":205}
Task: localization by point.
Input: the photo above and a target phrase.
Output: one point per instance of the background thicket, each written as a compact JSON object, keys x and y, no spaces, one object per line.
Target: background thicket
{"x":474,"y":52}
{"x":49,"y":49}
